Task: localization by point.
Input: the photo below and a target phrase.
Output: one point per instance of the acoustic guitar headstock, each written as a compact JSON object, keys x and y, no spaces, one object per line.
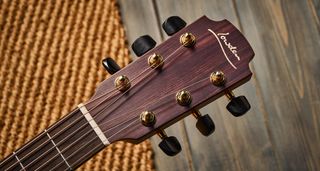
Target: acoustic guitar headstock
{"x":196,"y":65}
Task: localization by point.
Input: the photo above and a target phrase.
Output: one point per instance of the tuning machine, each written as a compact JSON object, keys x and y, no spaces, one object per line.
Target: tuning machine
{"x":169,"y":145}
{"x":237,"y":106}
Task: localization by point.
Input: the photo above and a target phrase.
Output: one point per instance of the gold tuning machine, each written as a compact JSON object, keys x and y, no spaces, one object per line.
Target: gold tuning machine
{"x":148,"y":118}
{"x":237,"y":105}
{"x":187,"y":40}
{"x":122,"y":83}
{"x":183,"y":97}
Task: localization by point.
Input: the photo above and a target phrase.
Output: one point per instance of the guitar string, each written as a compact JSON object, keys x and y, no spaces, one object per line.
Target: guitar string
{"x":91,"y":101}
{"x":104,"y":101}
{"x":112,"y":103}
{"x":126,"y":121}
{"x":205,"y":79}
{"x":151,"y":71}
{"x":107,"y":108}
{"x":70,"y":135}
{"x":94,"y":149}
{"x":59,"y":133}
{"x":74,"y":152}
{"x":74,"y":122}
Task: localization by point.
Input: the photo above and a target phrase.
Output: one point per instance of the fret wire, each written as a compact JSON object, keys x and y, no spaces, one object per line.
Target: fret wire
{"x":94,"y":149}
{"x":23,"y":168}
{"x":57,"y":148}
{"x":74,"y":152}
{"x":68,"y":147}
{"x":46,"y":142}
{"x":61,"y":131}
{"x":54,"y":136}
{"x":63,"y":140}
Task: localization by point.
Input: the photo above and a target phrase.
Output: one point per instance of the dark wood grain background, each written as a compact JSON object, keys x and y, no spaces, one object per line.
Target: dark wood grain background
{"x":282,"y":130}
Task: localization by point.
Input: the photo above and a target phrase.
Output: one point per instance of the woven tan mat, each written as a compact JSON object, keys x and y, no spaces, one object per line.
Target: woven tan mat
{"x":50,"y":61}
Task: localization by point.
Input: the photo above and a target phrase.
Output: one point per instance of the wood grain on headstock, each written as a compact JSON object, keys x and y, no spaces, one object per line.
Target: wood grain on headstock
{"x":117,"y":113}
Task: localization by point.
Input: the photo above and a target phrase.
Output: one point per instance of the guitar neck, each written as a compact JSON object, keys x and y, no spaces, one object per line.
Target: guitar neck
{"x":63,"y":146}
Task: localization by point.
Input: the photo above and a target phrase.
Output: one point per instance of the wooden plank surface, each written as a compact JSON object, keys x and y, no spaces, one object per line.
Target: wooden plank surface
{"x":286,"y":40}
{"x":281,"y":131}
{"x":140,"y":19}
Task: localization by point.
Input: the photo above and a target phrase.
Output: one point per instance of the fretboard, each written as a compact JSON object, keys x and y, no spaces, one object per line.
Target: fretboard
{"x":63,"y":146}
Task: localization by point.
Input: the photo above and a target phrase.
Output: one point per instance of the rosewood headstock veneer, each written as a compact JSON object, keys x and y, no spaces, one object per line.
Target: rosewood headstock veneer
{"x":196,"y":65}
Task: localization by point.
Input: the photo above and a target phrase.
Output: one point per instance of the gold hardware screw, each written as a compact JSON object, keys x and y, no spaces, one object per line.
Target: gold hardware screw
{"x":155,"y":61}
{"x":122,"y":83}
{"x":187,"y":39}
{"x":217,"y":78}
{"x":148,"y":118}
{"x":183,"y":98}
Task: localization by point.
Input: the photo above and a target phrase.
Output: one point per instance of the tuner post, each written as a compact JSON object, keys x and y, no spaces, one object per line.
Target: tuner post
{"x":122,"y":83}
{"x":162,"y":134}
{"x":217,"y":78}
{"x":155,"y":61}
{"x":229,"y":94}
{"x":187,"y":40}
{"x":148,"y":118}
{"x":183,"y":98}
{"x":196,"y":114}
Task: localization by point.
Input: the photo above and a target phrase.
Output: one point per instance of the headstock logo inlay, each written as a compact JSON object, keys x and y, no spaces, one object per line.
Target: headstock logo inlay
{"x":223,"y":37}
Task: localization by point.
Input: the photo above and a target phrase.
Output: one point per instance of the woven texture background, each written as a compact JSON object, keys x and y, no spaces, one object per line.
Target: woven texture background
{"x":50,"y":61}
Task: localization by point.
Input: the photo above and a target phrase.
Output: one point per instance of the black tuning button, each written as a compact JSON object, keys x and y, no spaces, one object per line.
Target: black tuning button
{"x":169,"y":145}
{"x":110,"y":65}
{"x":204,"y":123}
{"x":173,"y":24}
{"x":238,"y":105}
{"x":143,"y":44}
